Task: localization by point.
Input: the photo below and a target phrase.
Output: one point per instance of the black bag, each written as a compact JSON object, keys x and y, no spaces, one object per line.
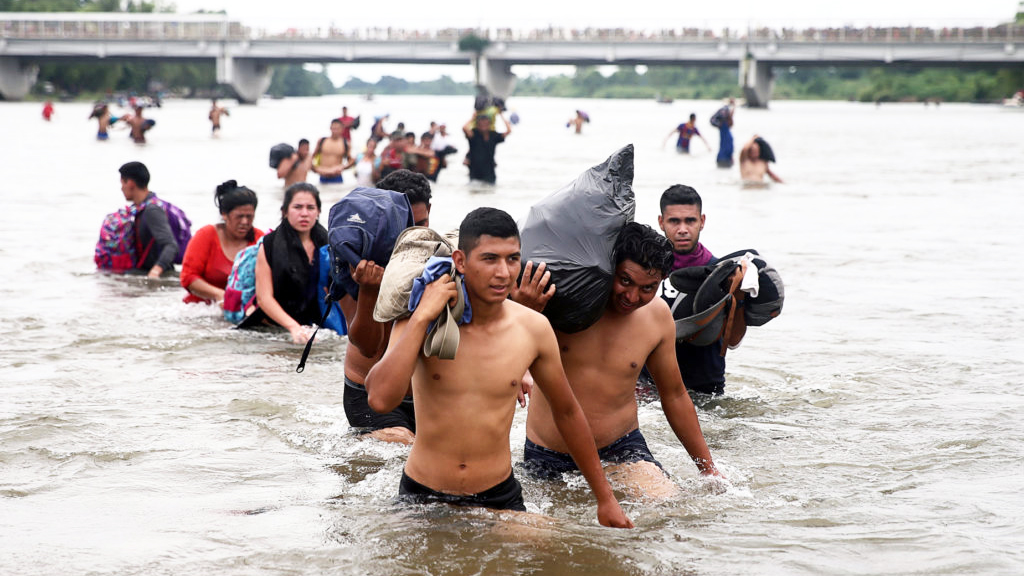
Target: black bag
{"x":279,"y":152}
{"x":707,"y":296}
{"x":574,"y":231}
{"x":720,"y":117}
{"x":766,"y":152}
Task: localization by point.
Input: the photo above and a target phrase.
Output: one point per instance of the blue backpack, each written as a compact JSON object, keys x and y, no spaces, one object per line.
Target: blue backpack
{"x":240,"y":292}
{"x":181,"y":226}
{"x":362,"y":225}
{"x":335,"y":319}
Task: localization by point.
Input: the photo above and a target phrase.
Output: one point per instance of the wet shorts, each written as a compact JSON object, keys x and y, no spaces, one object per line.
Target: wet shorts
{"x":549,"y":464}
{"x":331,"y":179}
{"x":507,"y":495}
{"x":360,"y":415}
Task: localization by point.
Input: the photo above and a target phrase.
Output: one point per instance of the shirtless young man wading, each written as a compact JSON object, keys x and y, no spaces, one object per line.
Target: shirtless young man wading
{"x":603,"y":363}
{"x":465,"y":406}
{"x":334,"y":155}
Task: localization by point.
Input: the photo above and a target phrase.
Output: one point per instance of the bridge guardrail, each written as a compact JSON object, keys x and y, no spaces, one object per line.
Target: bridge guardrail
{"x":219,"y":28}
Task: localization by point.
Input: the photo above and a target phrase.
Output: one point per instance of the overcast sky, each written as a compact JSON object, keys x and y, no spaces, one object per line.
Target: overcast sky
{"x":640,"y":14}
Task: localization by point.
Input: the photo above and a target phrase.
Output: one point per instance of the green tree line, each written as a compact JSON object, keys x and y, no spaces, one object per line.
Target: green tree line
{"x":865,"y":84}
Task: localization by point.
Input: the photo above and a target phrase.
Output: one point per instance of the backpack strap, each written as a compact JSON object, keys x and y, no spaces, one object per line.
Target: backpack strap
{"x":735,"y":325}
{"x":443,"y":337}
{"x":329,"y":300}
{"x":135,"y":231}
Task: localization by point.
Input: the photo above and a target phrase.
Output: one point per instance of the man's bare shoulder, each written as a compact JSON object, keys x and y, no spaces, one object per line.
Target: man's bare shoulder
{"x":527,"y":316}
{"x":651,"y":319}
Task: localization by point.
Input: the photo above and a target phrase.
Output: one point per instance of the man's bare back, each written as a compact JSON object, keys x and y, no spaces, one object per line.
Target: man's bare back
{"x":138,"y":126}
{"x":295,"y":169}
{"x":753,"y":169}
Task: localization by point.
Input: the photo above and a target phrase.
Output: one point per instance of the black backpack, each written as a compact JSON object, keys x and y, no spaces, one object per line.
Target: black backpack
{"x":705,"y":309}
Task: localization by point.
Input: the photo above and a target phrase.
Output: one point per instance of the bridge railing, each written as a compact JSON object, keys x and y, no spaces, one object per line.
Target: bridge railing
{"x":898,"y":34}
{"x":120,"y":28}
{"x":213,"y":27}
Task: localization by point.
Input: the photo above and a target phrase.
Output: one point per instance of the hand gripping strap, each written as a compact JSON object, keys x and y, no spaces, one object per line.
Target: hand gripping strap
{"x":443,"y":336}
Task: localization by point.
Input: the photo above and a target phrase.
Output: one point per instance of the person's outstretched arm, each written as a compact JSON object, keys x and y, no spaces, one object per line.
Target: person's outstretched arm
{"x":675,"y":401}
{"x":368,"y":335}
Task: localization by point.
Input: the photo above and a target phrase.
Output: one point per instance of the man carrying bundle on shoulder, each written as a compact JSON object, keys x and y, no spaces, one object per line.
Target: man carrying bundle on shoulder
{"x":465,"y":406}
{"x":603,"y":362}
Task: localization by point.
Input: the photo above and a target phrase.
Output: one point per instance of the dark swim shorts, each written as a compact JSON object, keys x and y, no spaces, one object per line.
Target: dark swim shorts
{"x":331,"y":179}
{"x":549,"y":464}
{"x":360,"y":415}
{"x":507,"y":495}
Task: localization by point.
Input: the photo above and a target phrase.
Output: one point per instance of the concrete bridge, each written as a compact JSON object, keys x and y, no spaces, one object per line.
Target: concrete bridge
{"x":243,"y":56}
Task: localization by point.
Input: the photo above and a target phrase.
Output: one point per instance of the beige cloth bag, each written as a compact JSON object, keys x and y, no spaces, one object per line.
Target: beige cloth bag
{"x":413,"y":248}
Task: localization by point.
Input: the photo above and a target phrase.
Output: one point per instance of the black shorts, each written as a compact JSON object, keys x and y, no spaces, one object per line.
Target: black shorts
{"x":508,"y":495}
{"x":550,"y":464}
{"x":360,"y":415}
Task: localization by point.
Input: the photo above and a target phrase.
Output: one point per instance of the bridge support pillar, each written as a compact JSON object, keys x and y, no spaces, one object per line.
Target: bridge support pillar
{"x":757,"y":81}
{"x":16,"y":78}
{"x":247,"y":77}
{"x":496,"y":76}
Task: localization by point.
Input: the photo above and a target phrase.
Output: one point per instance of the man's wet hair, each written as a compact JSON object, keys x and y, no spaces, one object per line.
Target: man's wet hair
{"x":680,"y":194}
{"x":643,"y":245}
{"x":427,"y":135}
{"x":136,"y":172}
{"x":410,"y":135}
{"x":489,"y":221}
{"x":412,"y":184}
{"x":335,"y":121}
{"x":303,"y":141}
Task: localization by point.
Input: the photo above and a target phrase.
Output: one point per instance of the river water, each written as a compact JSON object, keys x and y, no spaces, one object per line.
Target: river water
{"x":873,"y":428}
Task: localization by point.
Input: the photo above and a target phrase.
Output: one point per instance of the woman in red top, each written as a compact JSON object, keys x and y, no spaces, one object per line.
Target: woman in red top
{"x":212,"y":250}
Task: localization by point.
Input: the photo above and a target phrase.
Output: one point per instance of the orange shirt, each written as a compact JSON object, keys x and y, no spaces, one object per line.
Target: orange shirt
{"x":204,"y":258}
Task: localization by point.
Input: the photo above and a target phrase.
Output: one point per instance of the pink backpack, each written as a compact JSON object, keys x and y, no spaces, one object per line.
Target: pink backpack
{"x":115,"y":250}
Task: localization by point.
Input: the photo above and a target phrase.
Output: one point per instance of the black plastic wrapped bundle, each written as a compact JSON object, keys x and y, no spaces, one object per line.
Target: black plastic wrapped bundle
{"x":573,"y":231}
